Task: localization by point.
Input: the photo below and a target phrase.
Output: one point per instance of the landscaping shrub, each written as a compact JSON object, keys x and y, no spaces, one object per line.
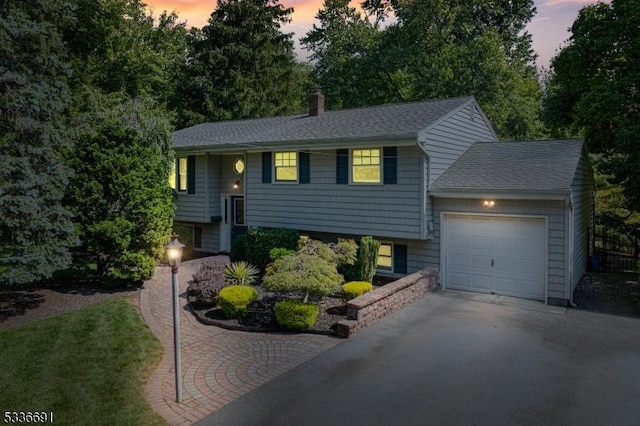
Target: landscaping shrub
{"x":259,"y":242}
{"x":240,"y":273}
{"x":296,"y":315}
{"x":353,"y":289}
{"x":207,"y":282}
{"x":238,"y":249}
{"x":312,"y":271}
{"x":365,"y":265}
{"x":278,"y":252}
{"x":234,"y":298}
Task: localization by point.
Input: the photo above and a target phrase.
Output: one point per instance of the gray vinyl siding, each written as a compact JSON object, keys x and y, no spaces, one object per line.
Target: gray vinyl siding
{"x":581,"y":197}
{"x":447,"y":140}
{"x":390,"y":211}
{"x":191,"y":207}
{"x":553,"y":210}
{"x":214,"y":176}
{"x":210,"y":238}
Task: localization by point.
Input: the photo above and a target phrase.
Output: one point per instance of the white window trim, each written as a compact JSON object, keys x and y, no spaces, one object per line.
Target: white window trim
{"x":274,"y":171}
{"x":351,"y":181}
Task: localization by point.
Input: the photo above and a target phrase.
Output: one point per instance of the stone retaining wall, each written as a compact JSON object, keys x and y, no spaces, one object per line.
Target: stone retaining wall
{"x":368,"y":308}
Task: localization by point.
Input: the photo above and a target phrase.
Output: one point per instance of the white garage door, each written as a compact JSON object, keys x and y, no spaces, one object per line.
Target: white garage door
{"x":495,"y":254}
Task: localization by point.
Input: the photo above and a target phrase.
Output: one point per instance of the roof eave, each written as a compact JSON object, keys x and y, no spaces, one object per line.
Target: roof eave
{"x":504,"y":194}
{"x":397,"y":138}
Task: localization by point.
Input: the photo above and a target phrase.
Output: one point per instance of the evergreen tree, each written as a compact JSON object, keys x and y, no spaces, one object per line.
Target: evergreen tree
{"x":35,"y":229}
{"x":241,"y":65}
{"x":119,"y":193}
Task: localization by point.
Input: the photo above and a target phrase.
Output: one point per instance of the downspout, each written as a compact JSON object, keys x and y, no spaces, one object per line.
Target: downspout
{"x":428,"y":204}
{"x":570,"y":243}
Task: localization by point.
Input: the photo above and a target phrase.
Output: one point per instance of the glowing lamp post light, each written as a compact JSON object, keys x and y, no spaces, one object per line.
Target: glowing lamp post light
{"x":174,"y":254}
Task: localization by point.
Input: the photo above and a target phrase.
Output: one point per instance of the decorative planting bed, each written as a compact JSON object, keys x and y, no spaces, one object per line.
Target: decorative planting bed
{"x":334,"y":317}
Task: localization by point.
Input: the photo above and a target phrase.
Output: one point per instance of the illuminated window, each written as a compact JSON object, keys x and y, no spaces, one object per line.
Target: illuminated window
{"x":286,"y":165}
{"x":365,"y":165}
{"x":238,"y":166}
{"x":182,"y":174}
{"x":172,"y":176}
{"x":385,"y":256}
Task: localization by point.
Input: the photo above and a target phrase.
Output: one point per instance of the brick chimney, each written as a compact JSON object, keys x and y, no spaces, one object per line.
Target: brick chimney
{"x":316,"y":102}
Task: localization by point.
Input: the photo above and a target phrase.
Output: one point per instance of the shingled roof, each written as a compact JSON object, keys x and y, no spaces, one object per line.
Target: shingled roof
{"x":387,"y":121}
{"x":530,"y":166}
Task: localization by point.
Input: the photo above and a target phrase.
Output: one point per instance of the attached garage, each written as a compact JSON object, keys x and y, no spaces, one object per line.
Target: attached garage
{"x":512,"y":218}
{"x":495,"y":254}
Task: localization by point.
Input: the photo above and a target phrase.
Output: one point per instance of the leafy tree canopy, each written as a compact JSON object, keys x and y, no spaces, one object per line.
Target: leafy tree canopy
{"x":594,"y":89}
{"x":117,"y":47}
{"x":436,"y":49}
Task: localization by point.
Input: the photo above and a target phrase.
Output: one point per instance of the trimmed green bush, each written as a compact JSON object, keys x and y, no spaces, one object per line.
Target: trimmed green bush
{"x":312,"y":271}
{"x":296,"y":315}
{"x":259,"y":242}
{"x":353,"y":289}
{"x":240,"y":273}
{"x":234,"y":298}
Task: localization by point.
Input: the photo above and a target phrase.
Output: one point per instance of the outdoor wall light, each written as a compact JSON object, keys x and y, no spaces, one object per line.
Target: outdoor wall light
{"x":236,"y":185}
{"x":489,"y":204}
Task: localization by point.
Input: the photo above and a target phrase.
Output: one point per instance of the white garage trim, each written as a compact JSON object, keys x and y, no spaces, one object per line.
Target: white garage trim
{"x":484,"y":278}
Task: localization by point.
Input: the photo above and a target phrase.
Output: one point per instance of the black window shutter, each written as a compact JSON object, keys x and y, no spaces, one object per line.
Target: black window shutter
{"x":266,"y":167}
{"x":390,"y":154}
{"x":305,"y":167}
{"x":399,"y":259}
{"x":342,"y":166}
{"x":191,"y":174}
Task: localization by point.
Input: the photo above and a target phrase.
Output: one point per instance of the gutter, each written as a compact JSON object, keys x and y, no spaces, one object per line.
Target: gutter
{"x":504,"y":194}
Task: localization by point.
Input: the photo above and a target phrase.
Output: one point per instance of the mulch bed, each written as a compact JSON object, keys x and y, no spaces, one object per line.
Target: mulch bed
{"x":331,"y":309}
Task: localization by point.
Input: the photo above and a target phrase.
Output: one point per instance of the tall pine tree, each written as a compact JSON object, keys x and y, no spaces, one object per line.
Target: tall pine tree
{"x":241,"y":65}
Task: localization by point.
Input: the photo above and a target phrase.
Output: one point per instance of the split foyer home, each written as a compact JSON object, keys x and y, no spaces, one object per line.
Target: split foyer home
{"x":430,"y":180}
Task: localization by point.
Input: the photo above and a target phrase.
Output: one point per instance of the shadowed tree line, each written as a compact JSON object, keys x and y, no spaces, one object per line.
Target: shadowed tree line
{"x":91,"y":90}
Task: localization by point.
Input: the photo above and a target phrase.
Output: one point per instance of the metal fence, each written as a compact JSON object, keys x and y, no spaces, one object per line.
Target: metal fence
{"x":613,"y":250}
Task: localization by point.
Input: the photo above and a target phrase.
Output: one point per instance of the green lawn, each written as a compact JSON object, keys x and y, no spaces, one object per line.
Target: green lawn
{"x":86,"y":367}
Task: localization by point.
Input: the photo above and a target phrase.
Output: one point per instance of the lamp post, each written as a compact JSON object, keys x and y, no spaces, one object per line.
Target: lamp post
{"x":174,"y":254}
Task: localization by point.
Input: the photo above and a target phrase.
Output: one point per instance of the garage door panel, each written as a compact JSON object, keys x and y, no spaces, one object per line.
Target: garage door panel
{"x":481,"y":242}
{"x":458,"y":260}
{"x":459,"y":242}
{"x":481,"y":263}
{"x":517,"y":247}
{"x":506,"y":245}
{"x":458,"y":281}
{"x":481,"y":282}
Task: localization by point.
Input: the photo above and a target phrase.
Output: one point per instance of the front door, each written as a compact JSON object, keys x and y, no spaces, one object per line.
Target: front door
{"x":232,"y":213}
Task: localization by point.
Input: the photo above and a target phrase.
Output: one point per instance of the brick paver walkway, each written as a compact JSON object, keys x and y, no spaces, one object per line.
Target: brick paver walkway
{"x":218,"y":365}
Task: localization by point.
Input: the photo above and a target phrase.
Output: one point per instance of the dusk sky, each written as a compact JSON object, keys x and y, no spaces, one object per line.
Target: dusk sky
{"x":549,"y":27}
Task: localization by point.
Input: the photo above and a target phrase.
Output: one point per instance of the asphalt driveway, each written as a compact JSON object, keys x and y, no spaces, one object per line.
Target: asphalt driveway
{"x":447,"y":360}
